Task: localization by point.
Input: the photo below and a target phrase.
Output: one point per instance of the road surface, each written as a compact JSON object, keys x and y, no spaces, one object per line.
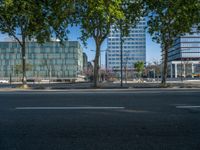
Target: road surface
{"x":100,"y":120}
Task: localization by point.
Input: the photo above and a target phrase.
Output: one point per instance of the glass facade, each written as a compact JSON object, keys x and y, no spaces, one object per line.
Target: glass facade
{"x":134,"y":47}
{"x":184,"y":56}
{"x":52,"y":59}
{"x":186,"y":47}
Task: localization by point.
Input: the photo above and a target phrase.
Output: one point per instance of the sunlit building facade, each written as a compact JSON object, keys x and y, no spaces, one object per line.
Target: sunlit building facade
{"x":134,"y":47}
{"x":51,"y":60}
{"x":184,"y":56}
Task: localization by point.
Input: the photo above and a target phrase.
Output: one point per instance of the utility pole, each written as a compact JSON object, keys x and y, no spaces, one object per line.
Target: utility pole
{"x":121,"y":53}
{"x":11,"y":66}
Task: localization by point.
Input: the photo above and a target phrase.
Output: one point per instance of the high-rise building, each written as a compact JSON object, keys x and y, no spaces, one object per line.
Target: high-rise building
{"x":85,"y":61}
{"x":184,"y":55}
{"x":134,"y":48}
{"x":51,"y":60}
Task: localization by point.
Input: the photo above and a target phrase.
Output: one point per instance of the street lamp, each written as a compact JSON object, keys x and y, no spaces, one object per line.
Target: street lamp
{"x":121,"y":52}
{"x":11,"y":70}
{"x":126,"y":65}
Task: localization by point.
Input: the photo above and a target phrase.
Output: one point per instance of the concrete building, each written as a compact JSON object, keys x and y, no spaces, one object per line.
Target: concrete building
{"x":50,"y":60}
{"x":134,"y":48}
{"x":184,"y":56}
{"x":85,"y":61}
{"x":90,"y":66}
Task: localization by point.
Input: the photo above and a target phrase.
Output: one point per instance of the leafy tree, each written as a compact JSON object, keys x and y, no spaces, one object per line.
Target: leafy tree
{"x":139,"y":66}
{"x":169,"y":19}
{"x":27,"y":19}
{"x":96,"y":19}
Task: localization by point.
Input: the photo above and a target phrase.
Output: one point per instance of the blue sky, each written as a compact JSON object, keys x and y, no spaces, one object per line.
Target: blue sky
{"x":153,"y":50}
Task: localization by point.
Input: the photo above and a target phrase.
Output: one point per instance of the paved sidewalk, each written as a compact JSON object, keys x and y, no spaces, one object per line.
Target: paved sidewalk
{"x":106,"y":85}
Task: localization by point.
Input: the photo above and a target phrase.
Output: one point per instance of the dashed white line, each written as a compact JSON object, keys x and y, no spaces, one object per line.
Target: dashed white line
{"x":187,"y":106}
{"x":67,"y":108}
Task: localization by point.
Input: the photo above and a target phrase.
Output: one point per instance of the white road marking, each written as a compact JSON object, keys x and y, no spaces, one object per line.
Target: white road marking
{"x":67,"y":108}
{"x":187,"y":106}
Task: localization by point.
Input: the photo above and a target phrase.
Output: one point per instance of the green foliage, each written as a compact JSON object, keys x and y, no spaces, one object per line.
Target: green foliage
{"x":132,"y":11}
{"x":17,"y":18}
{"x":29,"y":20}
{"x":59,"y":14}
{"x":96,"y":19}
{"x":169,"y":19}
{"x":139,"y":66}
{"x":33,"y":19}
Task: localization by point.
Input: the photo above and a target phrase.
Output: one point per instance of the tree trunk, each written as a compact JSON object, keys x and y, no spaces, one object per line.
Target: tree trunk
{"x":164,"y":76}
{"x":23,"y":61}
{"x":96,"y":64}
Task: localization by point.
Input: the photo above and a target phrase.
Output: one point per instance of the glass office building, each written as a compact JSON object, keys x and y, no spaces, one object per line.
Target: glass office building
{"x":184,"y":56}
{"x":134,"y":47}
{"x":50,"y":60}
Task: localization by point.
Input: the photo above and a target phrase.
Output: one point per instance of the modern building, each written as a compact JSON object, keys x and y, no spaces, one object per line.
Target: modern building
{"x":90,"y":66}
{"x":134,"y":48}
{"x":85,"y":61}
{"x":52,"y":60}
{"x":90,"y":71}
{"x":184,"y":56}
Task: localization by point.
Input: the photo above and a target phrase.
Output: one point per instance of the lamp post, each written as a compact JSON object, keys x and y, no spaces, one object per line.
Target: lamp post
{"x":50,"y":73}
{"x":11,"y":67}
{"x":121,"y":52}
{"x":126,"y":66}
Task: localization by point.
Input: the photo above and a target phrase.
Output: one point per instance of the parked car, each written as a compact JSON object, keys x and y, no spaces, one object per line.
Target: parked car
{"x":4,"y":81}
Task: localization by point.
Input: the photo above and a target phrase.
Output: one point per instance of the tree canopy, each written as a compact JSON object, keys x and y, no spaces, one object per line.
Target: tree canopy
{"x":96,"y":19}
{"x":169,"y":19}
{"x":139,"y":66}
{"x":34,"y":20}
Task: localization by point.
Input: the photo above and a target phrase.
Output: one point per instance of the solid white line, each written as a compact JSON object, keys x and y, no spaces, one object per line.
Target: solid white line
{"x":187,"y":106}
{"x":67,"y":108}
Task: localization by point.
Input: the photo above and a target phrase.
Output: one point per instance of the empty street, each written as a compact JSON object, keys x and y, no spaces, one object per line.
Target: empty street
{"x":148,"y":119}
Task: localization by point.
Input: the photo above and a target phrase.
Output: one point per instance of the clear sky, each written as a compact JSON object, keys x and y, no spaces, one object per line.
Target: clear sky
{"x":153,"y":50}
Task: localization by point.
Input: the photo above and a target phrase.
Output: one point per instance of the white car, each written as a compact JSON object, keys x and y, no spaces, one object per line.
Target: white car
{"x":4,"y":81}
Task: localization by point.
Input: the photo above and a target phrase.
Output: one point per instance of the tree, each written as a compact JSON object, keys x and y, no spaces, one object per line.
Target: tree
{"x":27,"y":19}
{"x":96,"y":19}
{"x":139,"y":66}
{"x":169,"y":19}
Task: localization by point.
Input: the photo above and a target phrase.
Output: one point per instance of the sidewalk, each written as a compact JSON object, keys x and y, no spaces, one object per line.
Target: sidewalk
{"x":106,"y":85}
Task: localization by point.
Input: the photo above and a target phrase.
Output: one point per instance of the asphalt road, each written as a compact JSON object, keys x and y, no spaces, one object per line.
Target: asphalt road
{"x":100,"y":120}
